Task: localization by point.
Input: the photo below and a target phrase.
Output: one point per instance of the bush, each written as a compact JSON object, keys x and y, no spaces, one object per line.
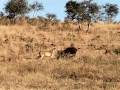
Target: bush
{"x":116,"y":51}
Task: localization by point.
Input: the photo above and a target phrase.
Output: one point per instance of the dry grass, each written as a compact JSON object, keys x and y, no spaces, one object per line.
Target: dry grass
{"x":95,"y":67}
{"x":107,"y":26}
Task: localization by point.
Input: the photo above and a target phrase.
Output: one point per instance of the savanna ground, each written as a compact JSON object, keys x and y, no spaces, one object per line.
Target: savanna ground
{"x":96,"y":65}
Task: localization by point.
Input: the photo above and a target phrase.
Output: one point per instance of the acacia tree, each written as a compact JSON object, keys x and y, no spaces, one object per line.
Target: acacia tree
{"x":36,"y":6}
{"x":17,"y":7}
{"x":51,"y":17}
{"x":90,"y":14}
{"x":72,"y":9}
{"x":111,"y":10}
{"x":84,"y":11}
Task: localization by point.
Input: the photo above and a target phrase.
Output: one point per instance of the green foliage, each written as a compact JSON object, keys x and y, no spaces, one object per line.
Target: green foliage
{"x":51,"y":17}
{"x":117,"y":51}
{"x":111,"y":10}
{"x":81,"y":11}
{"x":18,"y":7}
{"x":85,"y":11}
{"x":72,"y":9}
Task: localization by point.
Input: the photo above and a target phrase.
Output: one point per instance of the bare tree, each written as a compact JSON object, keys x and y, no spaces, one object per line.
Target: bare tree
{"x":35,"y":7}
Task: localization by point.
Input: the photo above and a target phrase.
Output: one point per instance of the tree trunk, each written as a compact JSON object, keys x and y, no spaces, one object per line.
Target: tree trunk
{"x":109,"y":19}
{"x":79,"y":27}
{"x":88,"y":27}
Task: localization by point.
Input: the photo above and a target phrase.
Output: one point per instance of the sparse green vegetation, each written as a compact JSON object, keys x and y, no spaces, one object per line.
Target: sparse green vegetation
{"x":117,"y":51}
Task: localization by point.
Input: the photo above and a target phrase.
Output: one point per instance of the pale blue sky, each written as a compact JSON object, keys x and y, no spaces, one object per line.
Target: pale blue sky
{"x":57,"y":6}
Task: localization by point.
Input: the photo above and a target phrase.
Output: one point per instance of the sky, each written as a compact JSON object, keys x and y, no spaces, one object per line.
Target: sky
{"x":58,"y":6}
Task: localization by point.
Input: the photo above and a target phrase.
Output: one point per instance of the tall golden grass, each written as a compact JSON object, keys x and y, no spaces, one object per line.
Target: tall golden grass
{"x":95,"y":66}
{"x":107,"y":26}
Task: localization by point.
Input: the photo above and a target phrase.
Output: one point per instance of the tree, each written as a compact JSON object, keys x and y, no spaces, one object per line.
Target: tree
{"x":36,"y":6}
{"x":111,"y":11}
{"x":84,"y":11}
{"x":17,"y":7}
{"x":71,"y":9}
{"x":1,"y":14}
{"x":51,"y":17}
{"x":74,"y":11}
{"x":90,"y":14}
